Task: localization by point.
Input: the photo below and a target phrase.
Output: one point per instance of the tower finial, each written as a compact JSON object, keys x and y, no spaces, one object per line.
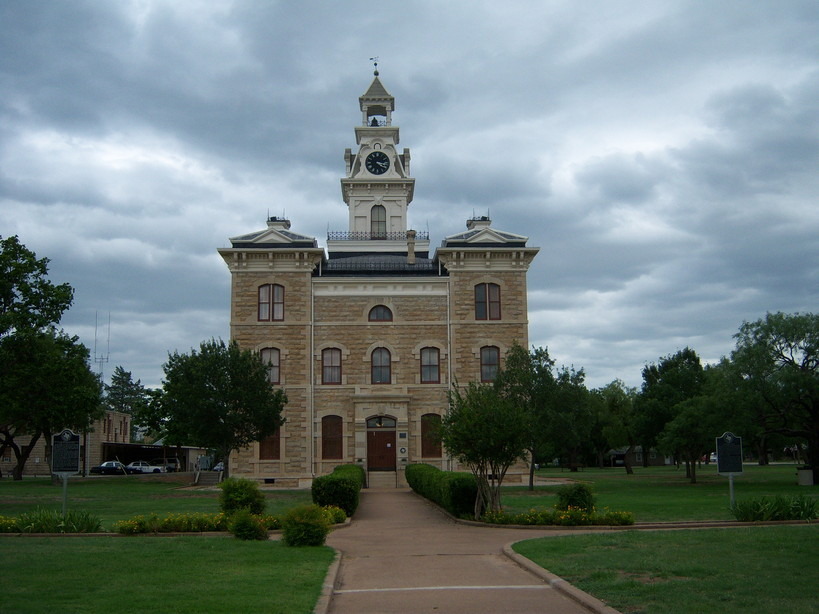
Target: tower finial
{"x":374,"y":60}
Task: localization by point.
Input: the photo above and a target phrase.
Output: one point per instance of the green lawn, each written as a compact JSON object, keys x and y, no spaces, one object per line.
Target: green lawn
{"x":122,"y":497}
{"x":174,"y":575}
{"x":708,"y":571}
{"x":657,"y":494}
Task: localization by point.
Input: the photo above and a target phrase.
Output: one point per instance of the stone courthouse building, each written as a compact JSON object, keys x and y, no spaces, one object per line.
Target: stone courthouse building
{"x":367,"y":337}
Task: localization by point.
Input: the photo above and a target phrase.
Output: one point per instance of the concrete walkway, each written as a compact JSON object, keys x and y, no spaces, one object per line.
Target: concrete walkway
{"x":402,"y":554}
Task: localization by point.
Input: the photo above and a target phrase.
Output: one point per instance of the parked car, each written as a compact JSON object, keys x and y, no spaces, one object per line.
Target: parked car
{"x":145,"y":467}
{"x":112,"y":468}
{"x":220,"y":466}
{"x":171,"y":464}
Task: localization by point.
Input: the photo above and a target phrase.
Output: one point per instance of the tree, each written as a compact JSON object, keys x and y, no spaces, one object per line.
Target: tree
{"x":486,"y":432}
{"x":570,"y":419}
{"x":28,"y":300}
{"x":621,"y":429}
{"x":46,"y":384}
{"x":674,"y":379}
{"x":219,"y":398}
{"x":527,"y":381}
{"x":125,"y":395}
{"x":778,"y":357}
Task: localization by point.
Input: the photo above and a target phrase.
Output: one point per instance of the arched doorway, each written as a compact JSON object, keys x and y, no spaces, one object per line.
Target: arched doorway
{"x":381,"y":443}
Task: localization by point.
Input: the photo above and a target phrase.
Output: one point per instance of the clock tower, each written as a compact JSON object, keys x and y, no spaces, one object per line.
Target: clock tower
{"x":377,"y":186}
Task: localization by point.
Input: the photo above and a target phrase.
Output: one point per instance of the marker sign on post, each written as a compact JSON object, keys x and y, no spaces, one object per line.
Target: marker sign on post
{"x":729,"y":459}
{"x":65,"y":458}
{"x":65,"y":453}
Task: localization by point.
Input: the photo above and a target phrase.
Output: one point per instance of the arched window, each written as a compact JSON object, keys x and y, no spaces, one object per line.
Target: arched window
{"x":271,"y":357}
{"x":331,"y":366}
{"x":378,"y":222}
{"x":490,"y":361}
{"x":487,"y":302}
{"x":430,"y":366}
{"x":380,"y":313}
{"x":381,"y":366}
{"x":270,"y":447}
{"x":331,"y":437}
{"x":430,"y":436}
{"x":271,"y":303}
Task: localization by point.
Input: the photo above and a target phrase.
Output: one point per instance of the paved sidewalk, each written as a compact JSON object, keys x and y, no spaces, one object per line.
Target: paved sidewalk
{"x":402,"y":554}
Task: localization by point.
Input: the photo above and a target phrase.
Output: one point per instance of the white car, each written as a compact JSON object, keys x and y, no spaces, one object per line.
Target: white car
{"x":144,"y":467}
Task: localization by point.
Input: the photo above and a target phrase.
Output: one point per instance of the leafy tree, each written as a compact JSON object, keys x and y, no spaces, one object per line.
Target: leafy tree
{"x":125,"y":395}
{"x":28,"y":300}
{"x":674,"y":379}
{"x":526,"y":380}
{"x":45,"y":381}
{"x":218,"y":398}
{"x":621,"y":429}
{"x":778,"y":357}
{"x":570,"y":419}
{"x":486,"y":432}
{"x":46,"y":384}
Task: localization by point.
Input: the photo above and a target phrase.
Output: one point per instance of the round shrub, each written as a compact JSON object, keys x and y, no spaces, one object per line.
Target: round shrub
{"x":575,"y":496}
{"x":240,"y":494}
{"x":305,"y":526}
{"x":245,"y":525}
{"x":335,"y":515}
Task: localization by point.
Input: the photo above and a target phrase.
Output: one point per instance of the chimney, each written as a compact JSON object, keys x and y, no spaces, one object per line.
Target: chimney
{"x":410,"y":247}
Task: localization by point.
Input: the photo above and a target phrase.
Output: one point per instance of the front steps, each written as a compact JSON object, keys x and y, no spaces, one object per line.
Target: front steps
{"x":382,"y":479}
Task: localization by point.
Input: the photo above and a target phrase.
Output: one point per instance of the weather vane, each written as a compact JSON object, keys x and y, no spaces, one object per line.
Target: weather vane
{"x":375,"y":65}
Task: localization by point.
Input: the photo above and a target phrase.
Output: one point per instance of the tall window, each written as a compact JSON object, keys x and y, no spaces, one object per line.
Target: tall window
{"x":381,"y":366}
{"x":490,"y":361}
{"x":271,"y":303}
{"x":487,"y":302}
{"x":331,"y":437}
{"x":378,"y":222}
{"x":430,"y":437}
{"x":380,"y":313}
{"x":331,"y":366}
{"x":430,"y":369}
{"x":270,"y":447}
{"x":271,"y":357}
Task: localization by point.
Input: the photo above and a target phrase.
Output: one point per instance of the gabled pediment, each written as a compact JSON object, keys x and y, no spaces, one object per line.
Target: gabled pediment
{"x":277,"y":234}
{"x":482,"y":234}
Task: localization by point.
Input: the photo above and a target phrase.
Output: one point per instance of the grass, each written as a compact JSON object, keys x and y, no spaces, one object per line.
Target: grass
{"x":178,"y":575}
{"x":660,"y":494}
{"x":722,"y":571}
{"x":121,"y":498}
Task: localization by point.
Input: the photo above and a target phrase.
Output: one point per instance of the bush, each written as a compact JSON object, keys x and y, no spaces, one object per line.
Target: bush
{"x":194,"y":522}
{"x":455,"y":492}
{"x":43,"y":520}
{"x":797,"y":507}
{"x":305,"y":526}
{"x":340,"y":488}
{"x":238,"y":494}
{"x":335,"y":515}
{"x":575,"y":496}
{"x":573,"y":517}
{"x":245,"y":525}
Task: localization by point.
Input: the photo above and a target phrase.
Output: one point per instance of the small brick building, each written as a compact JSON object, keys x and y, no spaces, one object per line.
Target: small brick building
{"x":367,"y":337}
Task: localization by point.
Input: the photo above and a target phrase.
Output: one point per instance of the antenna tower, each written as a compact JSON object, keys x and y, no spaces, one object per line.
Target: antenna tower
{"x":101,"y":359}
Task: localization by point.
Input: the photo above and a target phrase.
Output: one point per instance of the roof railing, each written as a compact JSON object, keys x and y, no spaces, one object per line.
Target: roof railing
{"x":375,"y":236}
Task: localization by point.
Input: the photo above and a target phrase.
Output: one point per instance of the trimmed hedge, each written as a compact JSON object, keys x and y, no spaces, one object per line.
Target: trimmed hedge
{"x":455,"y":492}
{"x":341,"y":488}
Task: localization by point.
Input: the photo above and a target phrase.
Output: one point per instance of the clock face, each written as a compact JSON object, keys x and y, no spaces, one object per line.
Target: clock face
{"x":377,"y":163}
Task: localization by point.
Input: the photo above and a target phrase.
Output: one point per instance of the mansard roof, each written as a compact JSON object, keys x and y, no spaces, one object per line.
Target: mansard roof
{"x":479,"y":233}
{"x":276,"y":235}
{"x":378,"y":264}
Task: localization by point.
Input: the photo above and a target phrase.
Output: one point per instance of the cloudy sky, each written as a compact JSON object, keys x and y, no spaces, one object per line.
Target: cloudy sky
{"x":663,"y":155}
